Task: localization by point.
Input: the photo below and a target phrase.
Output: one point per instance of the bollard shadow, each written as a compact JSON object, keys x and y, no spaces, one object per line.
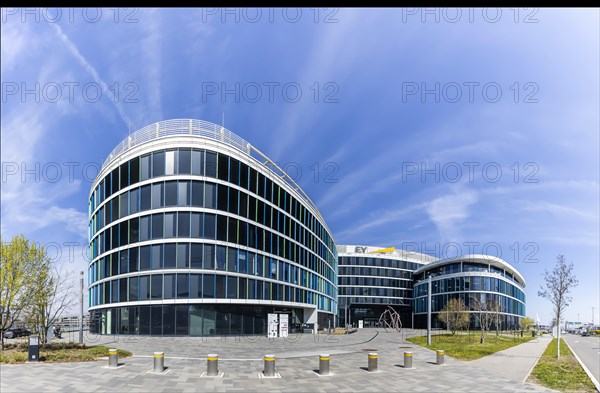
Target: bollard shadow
{"x":401,"y":366}
{"x":364,"y":369}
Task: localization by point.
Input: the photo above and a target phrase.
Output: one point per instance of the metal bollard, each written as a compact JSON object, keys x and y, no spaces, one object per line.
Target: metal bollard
{"x":407,"y":359}
{"x":113,"y":358}
{"x":159,"y":362}
{"x":324,"y":364}
{"x":439,"y":356}
{"x":269,"y":370}
{"x":212,"y":365}
{"x":372,"y":362}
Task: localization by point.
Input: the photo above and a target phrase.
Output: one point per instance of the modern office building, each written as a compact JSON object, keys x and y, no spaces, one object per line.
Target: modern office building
{"x":372,"y":278}
{"x":193,"y":231}
{"x":472,"y":278}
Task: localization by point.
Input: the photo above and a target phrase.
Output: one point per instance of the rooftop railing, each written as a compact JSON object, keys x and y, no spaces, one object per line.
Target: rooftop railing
{"x":207,"y":130}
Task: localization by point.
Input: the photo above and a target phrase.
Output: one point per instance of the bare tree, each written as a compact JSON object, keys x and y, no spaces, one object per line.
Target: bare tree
{"x":455,"y":315}
{"x":485,"y":310}
{"x":559,"y":283}
{"x":53,"y":294}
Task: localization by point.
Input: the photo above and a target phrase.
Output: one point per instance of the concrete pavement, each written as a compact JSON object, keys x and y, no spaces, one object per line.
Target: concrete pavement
{"x":516,"y":362}
{"x":240,"y":359}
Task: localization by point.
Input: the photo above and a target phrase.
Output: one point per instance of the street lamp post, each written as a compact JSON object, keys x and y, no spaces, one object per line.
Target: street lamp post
{"x":81,"y":316}
{"x":429,"y":311}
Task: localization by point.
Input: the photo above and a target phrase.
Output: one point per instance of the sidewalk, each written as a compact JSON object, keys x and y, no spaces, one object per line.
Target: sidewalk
{"x":516,"y":362}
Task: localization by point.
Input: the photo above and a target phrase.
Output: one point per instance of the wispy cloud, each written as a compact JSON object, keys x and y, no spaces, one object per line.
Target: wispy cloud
{"x":91,"y":71}
{"x":448,"y":211}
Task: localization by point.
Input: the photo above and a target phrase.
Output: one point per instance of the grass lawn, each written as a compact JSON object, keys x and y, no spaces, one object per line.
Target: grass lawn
{"x":467,"y":346}
{"x":564,"y":374}
{"x":57,"y":352}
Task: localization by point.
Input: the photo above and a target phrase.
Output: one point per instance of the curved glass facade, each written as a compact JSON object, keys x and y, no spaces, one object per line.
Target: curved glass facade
{"x":472,"y":282}
{"x":203,"y":239}
{"x":369,"y":282}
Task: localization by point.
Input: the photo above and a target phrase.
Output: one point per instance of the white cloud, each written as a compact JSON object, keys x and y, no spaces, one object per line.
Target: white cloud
{"x":448,"y":211}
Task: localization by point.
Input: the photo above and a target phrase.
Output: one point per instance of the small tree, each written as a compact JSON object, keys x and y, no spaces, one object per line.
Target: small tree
{"x":21,"y":262}
{"x":484,"y":309}
{"x":53,"y":293}
{"x":526,"y":323}
{"x":559,"y":283}
{"x":454,"y":315}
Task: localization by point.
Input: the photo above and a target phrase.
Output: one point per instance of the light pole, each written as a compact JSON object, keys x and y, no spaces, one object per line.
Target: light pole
{"x":429,"y":311}
{"x":593,"y":308}
{"x":81,"y":316}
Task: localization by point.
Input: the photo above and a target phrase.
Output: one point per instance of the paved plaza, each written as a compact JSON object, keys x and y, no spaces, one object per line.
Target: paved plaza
{"x":240,"y":361}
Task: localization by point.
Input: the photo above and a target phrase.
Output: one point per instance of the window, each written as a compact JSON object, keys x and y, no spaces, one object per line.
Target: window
{"x":145,"y":258}
{"x":196,"y":256}
{"x":211,"y":164}
{"x":232,"y":287}
{"x":133,"y":201}
{"x":196,"y":286}
{"x":144,"y":228}
{"x":133,"y":259}
{"x":197,"y":193}
{"x":208,"y":261}
{"x":170,"y":227}
{"x":157,"y":260}
{"x":196,"y":225}
{"x":144,"y":288}
{"x":170,"y":261}
{"x":221,"y":257}
{"x":182,"y":256}
{"x":157,"y":226}
{"x":209,"y":226}
{"x":145,"y":198}
{"x":134,"y":171}
{"x":197,"y":162}
{"x":123,"y":204}
{"x":145,"y":172}
{"x":183,"y":291}
{"x":157,"y":195}
{"x":184,"y":161}
{"x":223,"y":164}
{"x":170,"y":162}
{"x":169,"y":286}
{"x":183,"y":198}
{"x":170,"y":193}
{"x":210,"y":195}
{"x":158,"y":164}
{"x":183,"y":224}
{"x":156,"y":286}
{"x":208,"y":286}
{"x":133,"y":289}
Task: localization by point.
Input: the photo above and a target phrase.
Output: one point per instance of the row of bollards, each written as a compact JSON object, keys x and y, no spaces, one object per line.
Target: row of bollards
{"x":212,"y":362}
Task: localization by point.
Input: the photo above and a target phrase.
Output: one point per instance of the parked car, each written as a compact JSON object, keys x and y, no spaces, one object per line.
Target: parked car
{"x":585,"y":333}
{"x":17,"y":332}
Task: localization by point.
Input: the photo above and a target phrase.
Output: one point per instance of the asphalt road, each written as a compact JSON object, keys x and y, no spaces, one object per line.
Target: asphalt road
{"x":588,"y":350}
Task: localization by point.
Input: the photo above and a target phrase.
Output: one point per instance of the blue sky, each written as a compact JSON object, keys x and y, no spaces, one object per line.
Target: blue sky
{"x":389,"y":105}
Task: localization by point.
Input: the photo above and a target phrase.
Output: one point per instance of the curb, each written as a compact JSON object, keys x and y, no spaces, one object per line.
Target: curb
{"x":536,"y":362}
{"x":589,"y":374}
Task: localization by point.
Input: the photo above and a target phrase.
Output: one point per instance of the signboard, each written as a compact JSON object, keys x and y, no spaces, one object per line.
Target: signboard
{"x":360,"y":324}
{"x":283,"y":325}
{"x":272,"y":325}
